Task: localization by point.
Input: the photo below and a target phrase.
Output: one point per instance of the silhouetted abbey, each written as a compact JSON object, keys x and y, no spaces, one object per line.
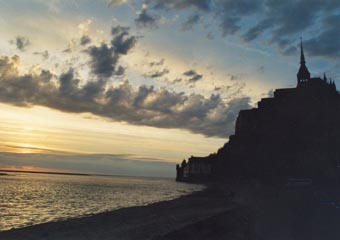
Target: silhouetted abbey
{"x":296,"y":133}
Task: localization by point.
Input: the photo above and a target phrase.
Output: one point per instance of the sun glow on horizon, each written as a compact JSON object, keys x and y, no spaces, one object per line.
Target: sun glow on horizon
{"x":85,"y":134}
{"x":29,"y":148}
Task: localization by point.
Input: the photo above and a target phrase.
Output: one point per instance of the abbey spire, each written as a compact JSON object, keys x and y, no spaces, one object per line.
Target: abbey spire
{"x":303,"y":75}
{"x":324,"y":77}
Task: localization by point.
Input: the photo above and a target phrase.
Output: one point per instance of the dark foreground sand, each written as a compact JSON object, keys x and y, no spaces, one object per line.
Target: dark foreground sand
{"x":254,"y":212}
{"x":271,"y":213}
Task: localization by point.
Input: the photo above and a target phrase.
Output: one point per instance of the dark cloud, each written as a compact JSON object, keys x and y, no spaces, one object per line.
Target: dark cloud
{"x":177,"y":80}
{"x":191,"y":22}
{"x":158,"y":74}
{"x":229,"y":25}
{"x":286,"y":16}
{"x":292,"y":50}
{"x":190,"y":73}
{"x":327,"y":43}
{"x":21,"y":42}
{"x":257,"y":30}
{"x":23,"y":90}
{"x":181,"y":4}
{"x":122,"y":42}
{"x":316,"y":46}
{"x":146,"y":106}
{"x":193,"y":76}
{"x":157,"y":63}
{"x":233,"y":77}
{"x":229,"y":13}
{"x":67,"y":50}
{"x":105,"y":58}
{"x":144,"y":19}
{"x":283,"y":20}
{"x":279,"y":22}
{"x":84,"y":40}
{"x":230,"y":91}
{"x":45,"y":54}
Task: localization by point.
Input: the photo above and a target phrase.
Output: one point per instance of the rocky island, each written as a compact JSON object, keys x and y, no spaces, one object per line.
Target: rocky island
{"x":292,"y":135}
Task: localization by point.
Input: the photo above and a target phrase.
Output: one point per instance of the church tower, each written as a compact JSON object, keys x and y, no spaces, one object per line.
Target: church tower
{"x":303,"y":75}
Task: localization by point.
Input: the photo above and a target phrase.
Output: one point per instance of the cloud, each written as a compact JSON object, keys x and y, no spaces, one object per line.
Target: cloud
{"x":45,"y":54}
{"x":327,"y":43}
{"x":157,"y":63}
{"x":84,"y":40}
{"x":21,"y":43}
{"x":277,"y":22}
{"x":67,"y":50}
{"x":23,"y":90}
{"x":193,"y":76}
{"x":15,"y":148}
{"x":158,"y":74}
{"x":122,"y":42}
{"x":283,"y":22}
{"x":257,"y":30}
{"x":191,"y":22}
{"x":177,"y":80}
{"x":145,"y":105}
{"x":104,"y":61}
{"x":229,"y":13}
{"x":233,"y":77}
{"x":115,"y":3}
{"x":144,"y":19}
{"x":181,"y":4}
{"x":231,"y":91}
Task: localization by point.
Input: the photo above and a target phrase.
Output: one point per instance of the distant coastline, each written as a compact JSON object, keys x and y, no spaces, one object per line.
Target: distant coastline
{"x":77,"y":174}
{"x":3,"y":172}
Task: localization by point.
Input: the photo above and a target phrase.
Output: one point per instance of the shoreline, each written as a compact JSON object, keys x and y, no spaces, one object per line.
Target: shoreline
{"x":140,"y":222}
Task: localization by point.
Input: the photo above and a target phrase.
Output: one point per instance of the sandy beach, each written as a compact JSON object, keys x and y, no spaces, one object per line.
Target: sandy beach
{"x":253,"y":212}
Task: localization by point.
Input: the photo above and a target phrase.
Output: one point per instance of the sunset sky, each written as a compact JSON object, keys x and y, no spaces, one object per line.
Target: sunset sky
{"x":133,"y":87}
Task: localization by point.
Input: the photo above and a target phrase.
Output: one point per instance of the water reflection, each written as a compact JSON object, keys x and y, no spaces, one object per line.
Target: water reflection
{"x":28,"y":199}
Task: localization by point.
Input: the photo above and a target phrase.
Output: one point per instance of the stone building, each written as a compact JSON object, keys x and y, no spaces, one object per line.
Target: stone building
{"x":196,"y":169}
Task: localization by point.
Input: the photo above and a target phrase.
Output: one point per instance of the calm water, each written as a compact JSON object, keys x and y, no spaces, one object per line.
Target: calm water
{"x":27,"y":199}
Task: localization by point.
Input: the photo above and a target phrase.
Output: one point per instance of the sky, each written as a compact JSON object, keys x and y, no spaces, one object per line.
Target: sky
{"x":129,"y":87}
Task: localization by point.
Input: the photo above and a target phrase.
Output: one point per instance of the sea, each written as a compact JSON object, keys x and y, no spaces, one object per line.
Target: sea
{"x":28,"y":199}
